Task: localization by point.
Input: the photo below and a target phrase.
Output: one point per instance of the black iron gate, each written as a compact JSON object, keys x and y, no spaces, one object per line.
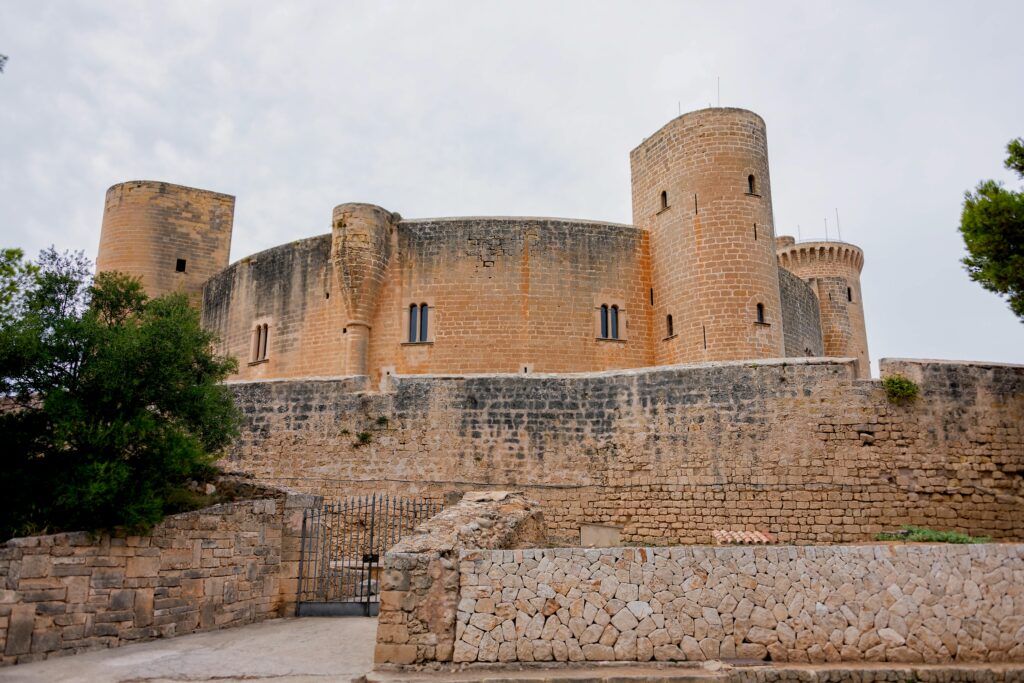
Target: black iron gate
{"x":342,"y":544}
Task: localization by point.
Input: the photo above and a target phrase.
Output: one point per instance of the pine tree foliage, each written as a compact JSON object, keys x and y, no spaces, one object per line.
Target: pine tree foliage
{"x":992,"y":225}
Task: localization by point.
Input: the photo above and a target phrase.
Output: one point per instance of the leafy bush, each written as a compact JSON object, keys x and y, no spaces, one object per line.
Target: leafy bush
{"x":900,"y":389}
{"x":363,"y":438}
{"x":916,"y":534}
{"x":112,"y":401}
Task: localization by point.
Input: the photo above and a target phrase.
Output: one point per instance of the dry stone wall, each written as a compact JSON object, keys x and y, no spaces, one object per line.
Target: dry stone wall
{"x":223,"y":566}
{"x":906,"y":603}
{"x":798,"y":448}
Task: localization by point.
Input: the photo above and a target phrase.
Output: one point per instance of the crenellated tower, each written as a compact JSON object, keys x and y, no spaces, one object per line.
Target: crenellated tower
{"x":172,"y":237}
{"x":360,"y":252}
{"x":832,"y":269}
{"x":701,"y":188}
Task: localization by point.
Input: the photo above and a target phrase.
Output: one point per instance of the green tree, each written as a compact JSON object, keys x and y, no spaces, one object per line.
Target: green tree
{"x":113,"y":401}
{"x":992,"y":225}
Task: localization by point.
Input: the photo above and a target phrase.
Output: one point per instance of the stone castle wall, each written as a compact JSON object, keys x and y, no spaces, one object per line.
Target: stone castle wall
{"x":896,"y":603}
{"x":224,"y":566}
{"x":802,"y":448}
{"x":801,"y":317}
{"x":148,"y":226}
{"x":504,"y":295}
{"x":288,"y":288}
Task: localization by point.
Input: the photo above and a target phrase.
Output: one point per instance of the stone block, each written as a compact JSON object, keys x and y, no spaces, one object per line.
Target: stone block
{"x":19,"y":630}
{"x":386,"y":653}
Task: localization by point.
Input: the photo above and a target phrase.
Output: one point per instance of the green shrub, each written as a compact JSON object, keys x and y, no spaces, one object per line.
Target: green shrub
{"x":363,"y":438}
{"x":900,"y":389}
{"x":115,"y":401}
{"x":382,"y":421}
{"x":916,"y":534}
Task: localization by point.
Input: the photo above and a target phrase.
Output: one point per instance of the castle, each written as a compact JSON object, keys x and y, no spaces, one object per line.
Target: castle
{"x":699,"y":276}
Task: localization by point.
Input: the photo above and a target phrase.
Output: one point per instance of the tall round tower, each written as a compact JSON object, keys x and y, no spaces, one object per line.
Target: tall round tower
{"x":360,"y":252}
{"x":832,"y":269}
{"x":701,"y":188}
{"x":173,"y":237}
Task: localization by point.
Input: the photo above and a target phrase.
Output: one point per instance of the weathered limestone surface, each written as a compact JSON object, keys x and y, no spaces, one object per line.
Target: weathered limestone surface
{"x":223,"y":566}
{"x":420,"y":582}
{"x":798,"y":448}
{"x":894,"y":603}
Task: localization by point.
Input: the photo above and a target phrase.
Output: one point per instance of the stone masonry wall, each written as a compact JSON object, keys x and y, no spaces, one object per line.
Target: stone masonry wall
{"x":798,"y":448}
{"x":420,"y":581}
{"x":222,"y":566}
{"x":897,"y":603}
{"x":801,"y":318}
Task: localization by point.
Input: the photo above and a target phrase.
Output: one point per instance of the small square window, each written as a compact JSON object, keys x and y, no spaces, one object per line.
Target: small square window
{"x":179,"y":267}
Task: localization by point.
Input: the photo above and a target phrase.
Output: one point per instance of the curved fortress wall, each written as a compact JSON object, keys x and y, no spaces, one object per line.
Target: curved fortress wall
{"x":513,"y":295}
{"x":701,"y":187}
{"x":291,"y":290}
{"x":801,"y":318}
{"x":503,"y":295}
{"x":173,"y":237}
{"x":800,"y":448}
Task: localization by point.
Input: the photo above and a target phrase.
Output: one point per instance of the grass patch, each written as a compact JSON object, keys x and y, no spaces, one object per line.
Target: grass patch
{"x":916,"y":534}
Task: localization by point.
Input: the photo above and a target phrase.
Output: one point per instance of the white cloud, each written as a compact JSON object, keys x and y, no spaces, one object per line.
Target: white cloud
{"x":888,"y":112}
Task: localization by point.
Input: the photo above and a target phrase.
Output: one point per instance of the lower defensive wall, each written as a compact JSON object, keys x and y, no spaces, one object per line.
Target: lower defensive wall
{"x":798,"y":447}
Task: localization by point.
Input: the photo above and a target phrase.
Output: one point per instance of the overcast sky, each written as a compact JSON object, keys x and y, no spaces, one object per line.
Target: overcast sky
{"x":887,"y":111}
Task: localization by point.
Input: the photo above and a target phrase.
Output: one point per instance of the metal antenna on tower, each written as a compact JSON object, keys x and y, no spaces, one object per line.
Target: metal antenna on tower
{"x":798,"y":236}
{"x":838,"y":229}
{"x":679,"y":105}
{"x":826,"y":228}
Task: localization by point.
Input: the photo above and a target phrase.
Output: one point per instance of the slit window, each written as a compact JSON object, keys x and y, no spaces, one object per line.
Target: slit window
{"x":419,"y":323}
{"x":849,"y":294}
{"x":259,"y":342}
{"x":604,"y":321}
{"x":179,"y":267}
{"x":664,"y":200}
{"x":751,"y":185}
{"x":668,"y":326}
{"x":614,"y":315}
{"x":760,"y":313}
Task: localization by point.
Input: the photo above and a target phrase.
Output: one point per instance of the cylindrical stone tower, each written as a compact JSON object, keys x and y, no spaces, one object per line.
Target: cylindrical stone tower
{"x":360,"y":252}
{"x":701,"y":187}
{"x":832,"y":269}
{"x":175,"y":238}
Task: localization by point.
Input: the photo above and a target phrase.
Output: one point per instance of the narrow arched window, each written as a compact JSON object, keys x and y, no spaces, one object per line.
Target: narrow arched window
{"x":664,"y":200}
{"x":423,"y":322}
{"x":413,"y":322}
{"x":615,"y":322}
{"x":257,"y":335}
{"x":263,"y":343}
{"x":604,"y":321}
{"x":849,"y":294}
{"x":668,"y":325}
{"x":750,"y":184}
{"x":760,"y":313}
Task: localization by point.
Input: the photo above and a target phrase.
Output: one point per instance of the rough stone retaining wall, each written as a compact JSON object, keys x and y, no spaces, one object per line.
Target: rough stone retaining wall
{"x":420,"y":581}
{"x":798,"y":448}
{"x":226,"y":565}
{"x":896,"y":603}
